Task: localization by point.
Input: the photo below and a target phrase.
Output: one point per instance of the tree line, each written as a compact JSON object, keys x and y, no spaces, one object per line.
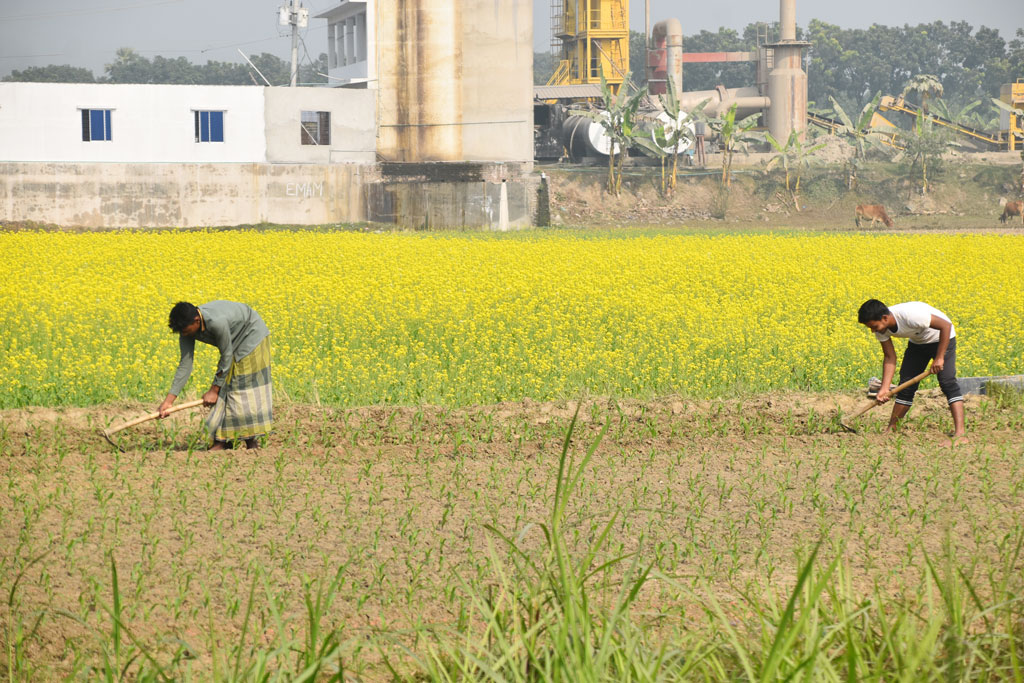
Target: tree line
{"x":851,"y":65}
{"x":131,"y":67}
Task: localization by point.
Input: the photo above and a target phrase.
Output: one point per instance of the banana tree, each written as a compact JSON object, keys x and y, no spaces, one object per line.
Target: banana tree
{"x":618,"y":118}
{"x":669,"y":137}
{"x":859,"y":134}
{"x":793,"y":157}
{"x":732,"y":135}
{"x":962,"y":116}
{"x":679,"y":131}
{"x":924,"y":146}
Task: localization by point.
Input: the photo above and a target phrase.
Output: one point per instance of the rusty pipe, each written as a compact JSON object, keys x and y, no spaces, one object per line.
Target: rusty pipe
{"x":667,"y":35}
{"x":748,"y":101}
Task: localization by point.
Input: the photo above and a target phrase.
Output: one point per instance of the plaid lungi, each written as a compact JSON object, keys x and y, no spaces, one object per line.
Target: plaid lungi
{"x":246,"y":406}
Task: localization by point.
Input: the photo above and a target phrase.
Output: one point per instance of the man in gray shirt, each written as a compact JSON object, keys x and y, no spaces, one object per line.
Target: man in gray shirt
{"x":241,"y":393}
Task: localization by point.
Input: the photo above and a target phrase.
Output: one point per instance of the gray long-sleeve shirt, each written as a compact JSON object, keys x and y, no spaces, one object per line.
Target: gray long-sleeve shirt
{"x":232,"y":327}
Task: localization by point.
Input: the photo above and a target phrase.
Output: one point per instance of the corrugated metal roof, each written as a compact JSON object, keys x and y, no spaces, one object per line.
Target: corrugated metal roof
{"x":560,"y":92}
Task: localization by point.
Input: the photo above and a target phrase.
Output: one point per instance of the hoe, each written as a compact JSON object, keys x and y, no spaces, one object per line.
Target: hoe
{"x":873,"y":403}
{"x":107,"y":433}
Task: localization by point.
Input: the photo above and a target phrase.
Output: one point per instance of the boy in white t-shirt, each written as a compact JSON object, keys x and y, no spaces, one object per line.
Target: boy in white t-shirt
{"x":931,"y":337}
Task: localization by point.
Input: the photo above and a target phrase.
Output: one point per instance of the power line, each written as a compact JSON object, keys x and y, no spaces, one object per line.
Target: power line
{"x":79,"y":12}
{"x":49,"y":54}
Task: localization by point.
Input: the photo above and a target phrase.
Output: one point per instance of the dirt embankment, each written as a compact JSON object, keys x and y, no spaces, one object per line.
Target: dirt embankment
{"x":964,"y":194}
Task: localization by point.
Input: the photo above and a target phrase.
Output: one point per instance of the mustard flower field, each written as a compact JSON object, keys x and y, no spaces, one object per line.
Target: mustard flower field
{"x":360,"y":319}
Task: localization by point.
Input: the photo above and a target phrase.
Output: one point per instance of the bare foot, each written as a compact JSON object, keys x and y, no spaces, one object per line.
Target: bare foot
{"x":219,"y":446}
{"x":253,"y":443}
{"x":955,"y":440}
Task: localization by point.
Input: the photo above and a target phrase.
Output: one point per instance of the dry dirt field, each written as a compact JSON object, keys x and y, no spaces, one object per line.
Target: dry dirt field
{"x":384,"y":513}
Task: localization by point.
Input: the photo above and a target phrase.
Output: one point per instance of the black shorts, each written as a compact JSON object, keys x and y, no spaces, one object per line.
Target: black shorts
{"x":916,"y":359}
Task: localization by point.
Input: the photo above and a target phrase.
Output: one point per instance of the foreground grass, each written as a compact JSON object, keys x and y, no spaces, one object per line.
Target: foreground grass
{"x":650,"y":541}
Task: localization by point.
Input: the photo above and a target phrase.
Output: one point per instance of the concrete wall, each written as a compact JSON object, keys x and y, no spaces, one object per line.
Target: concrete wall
{"x":181,"y":195}
{"x":114,"y":195}
{"x":455,"y":80}
{"x":353,"y":133}
{"x":149,"y":123}
{"x":448,"y":195}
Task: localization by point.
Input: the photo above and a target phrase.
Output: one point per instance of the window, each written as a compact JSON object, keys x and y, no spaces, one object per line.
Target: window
{"x":595,"y":59}
{"x":316,"y":127}
{"x":209,"y":126}
{"x":95,"y":125}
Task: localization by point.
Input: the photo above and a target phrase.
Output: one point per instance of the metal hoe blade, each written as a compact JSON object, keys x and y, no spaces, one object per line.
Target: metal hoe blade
{"x":872,"y":404}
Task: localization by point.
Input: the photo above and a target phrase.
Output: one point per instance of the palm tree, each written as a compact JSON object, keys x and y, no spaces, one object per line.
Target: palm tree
{"x":925,"y":85}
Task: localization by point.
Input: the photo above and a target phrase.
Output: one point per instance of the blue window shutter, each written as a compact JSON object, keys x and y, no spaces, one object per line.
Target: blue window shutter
{"x":204,"y":126}
{"x":96,"y":124}
{"x":106,"y":128}
{"x":216,"y":126}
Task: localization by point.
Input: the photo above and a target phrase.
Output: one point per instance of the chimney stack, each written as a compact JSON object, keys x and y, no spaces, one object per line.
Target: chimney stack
{"x":787,"y":82}
{"x":787,"y":20}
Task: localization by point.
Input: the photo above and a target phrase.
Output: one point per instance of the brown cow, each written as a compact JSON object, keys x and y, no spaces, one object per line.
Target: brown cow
{"x":1011,"y":209}
{"x":876,"y":212}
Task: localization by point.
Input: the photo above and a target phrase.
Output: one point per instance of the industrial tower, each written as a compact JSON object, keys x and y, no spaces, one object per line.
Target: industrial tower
{"x":592,"y":37}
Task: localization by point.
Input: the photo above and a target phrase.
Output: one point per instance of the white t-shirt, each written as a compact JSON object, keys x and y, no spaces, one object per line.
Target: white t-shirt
{"x":913,"y":322}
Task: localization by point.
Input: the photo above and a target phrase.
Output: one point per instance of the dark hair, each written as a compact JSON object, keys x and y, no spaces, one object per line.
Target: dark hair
{"x":871,"y":310}
{"x":182,"y":315}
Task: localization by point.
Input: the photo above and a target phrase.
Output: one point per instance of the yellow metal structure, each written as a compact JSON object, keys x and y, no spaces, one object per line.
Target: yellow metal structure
{"x":883,"y":129}
{"x":889,"y":103}
{"x":1012,"y":130}
{"x":886,"y":130}
{"x":594,"y":37}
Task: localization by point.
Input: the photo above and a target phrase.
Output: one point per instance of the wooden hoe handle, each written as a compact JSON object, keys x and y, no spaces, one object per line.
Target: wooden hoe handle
{"x":153,"y":416}
{"x":898,"y":389}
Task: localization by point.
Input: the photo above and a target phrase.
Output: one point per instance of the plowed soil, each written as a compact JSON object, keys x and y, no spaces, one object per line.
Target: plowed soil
{"x":393,"y":504}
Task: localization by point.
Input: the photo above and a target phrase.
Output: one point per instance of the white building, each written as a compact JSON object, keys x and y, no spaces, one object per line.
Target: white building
{"x":90,"y":122}
{"x":351,"y":48}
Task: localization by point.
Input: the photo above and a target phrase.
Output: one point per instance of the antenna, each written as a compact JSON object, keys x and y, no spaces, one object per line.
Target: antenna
{"x":254,"y":67}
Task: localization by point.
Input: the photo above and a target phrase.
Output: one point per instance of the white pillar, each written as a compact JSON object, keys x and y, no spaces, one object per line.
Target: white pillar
{"x":332,"y":52}
{"x":503,"y":208}
{"x":345,"y":40}
{"x":342,"y":49}
{"x":350,"y":23}
{"x":361,"y":25}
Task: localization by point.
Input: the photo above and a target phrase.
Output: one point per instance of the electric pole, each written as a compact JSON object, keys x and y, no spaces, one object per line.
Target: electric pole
{"x":296,"y":16}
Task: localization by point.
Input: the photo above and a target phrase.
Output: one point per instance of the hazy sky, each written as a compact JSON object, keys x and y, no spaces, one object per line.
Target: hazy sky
{"x":87,"y":32}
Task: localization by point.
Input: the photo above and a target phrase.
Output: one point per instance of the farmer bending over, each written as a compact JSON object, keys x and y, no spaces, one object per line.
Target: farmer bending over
{"x":241,"y":392}
{"x":931,"y":337}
